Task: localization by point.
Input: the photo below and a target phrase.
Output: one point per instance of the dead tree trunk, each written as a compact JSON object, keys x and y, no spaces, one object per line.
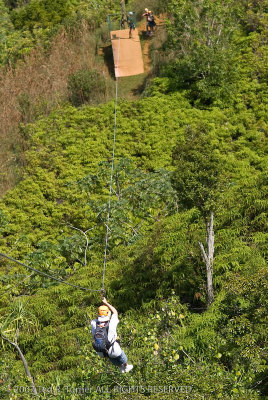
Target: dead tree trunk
{"x":23,"y":359}
{"x":208,"y":258}
{"x":124,"y":14}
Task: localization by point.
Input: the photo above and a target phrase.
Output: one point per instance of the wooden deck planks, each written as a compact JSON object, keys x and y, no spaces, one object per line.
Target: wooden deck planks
{"x":127,"y":53}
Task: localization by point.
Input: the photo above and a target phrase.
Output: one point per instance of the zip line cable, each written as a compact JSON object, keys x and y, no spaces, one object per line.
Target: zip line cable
{"x":47,"y":275}
{"x":112,"y":170}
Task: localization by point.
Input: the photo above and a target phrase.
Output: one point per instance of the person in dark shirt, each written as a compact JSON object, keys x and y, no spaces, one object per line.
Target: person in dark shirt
{"x":151,"y":22}
{"x":146,"y":14}
{"x":130,"y":22}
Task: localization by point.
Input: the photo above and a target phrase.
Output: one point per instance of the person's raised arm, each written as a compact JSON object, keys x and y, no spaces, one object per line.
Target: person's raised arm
{"x":113,"y":310}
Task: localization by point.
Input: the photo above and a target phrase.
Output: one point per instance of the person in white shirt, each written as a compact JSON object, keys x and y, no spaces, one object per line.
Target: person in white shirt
{"x":146,"y":14}
{"x":113,"y":350}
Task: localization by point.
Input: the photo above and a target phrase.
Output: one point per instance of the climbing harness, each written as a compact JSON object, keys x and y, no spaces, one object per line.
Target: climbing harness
{"x":100,"y":342}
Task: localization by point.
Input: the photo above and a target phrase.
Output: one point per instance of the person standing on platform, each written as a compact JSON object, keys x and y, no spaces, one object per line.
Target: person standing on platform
{"x":130,"y":21}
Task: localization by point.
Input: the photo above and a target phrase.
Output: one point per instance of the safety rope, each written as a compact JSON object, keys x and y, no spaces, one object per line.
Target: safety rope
{"x":112,"y":170}
{"x":47,"y":275}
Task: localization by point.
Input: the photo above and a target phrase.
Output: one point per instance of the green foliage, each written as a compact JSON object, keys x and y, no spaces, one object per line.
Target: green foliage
{"x":55,"y":218}
{"x":201,"y":33}
{"x":86,"y":86}
{"x":244,"y":308}
{"x":157,"y":86}
{"x":30,"y":23}
{"x":158,"y":259}
{"x":200,"y":166}
{"x":19,"y":318}
{"x":213,"y":47}
{"x":65,"y":192}
{"x":5,"y":23}
{"x":40,"y":14}
{"x":254,"y":16}
{"x":6,"y":26}
{"x":3,"y":219}
{"x":139,"y":198}
{"x":15,"y":3}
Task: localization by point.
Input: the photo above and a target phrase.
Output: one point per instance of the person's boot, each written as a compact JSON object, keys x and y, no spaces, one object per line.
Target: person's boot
{"x":126,"y":369}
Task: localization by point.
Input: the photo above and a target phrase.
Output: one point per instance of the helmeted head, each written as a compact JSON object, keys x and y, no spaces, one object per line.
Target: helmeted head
{"x":104,"y":314}
{"x":130,"y":13}
{"x":146,"y":10}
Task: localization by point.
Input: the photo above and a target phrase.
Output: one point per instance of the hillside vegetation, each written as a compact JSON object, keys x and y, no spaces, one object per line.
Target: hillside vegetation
{"x":193,"y":146}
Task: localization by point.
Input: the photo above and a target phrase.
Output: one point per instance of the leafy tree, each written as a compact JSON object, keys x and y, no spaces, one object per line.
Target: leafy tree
{"x":138,"y":198}
{"x":254,"y":16}
{"x":164,"y":259}
{"x":41,"y":14}
{"x":200,"y":169}
{"x":243,"y":323}
{"x":200,"y":36}
{"x":5,"y":25}
{"x":199,"y":177}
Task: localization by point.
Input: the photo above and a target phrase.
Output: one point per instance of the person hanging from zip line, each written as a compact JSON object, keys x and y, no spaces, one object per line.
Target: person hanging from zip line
{"x":105,"y":335}
{"x":146,"y":14}
{"x":131,"y":24}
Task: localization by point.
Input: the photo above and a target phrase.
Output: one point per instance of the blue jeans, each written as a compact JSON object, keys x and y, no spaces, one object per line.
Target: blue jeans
{"x":120,"y":360}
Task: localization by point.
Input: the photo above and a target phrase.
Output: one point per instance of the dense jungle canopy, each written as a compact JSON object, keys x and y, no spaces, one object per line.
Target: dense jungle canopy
{"x":191,"y":143}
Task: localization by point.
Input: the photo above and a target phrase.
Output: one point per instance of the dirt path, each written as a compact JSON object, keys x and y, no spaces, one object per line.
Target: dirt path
{"x":146,"y":57}
{"x":147,"y":43}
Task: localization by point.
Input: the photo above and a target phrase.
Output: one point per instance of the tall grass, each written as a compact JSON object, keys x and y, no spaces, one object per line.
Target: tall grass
{"x":38,"y":84}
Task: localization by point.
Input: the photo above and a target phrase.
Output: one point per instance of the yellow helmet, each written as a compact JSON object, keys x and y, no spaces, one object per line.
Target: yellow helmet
{"x":103,"y":311}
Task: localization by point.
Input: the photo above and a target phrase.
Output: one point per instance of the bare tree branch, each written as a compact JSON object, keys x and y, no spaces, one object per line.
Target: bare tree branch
{"x":208,"y":257}
{"x":23,"y":359}
{"x":203,"y":252}
{"x":87,"y":241}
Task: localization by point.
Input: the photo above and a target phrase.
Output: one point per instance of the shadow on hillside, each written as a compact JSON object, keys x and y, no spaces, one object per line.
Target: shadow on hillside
{"x":108,"y":59}
{"x":146,"y":279}
{"x":137,"y":91}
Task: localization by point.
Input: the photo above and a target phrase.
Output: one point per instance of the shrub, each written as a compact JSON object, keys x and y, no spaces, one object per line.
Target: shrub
{"x":86,"y":86}
{"x":41,"y":14}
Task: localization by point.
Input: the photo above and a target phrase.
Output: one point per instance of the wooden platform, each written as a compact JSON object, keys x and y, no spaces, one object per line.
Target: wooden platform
{"x":127,"y":53}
